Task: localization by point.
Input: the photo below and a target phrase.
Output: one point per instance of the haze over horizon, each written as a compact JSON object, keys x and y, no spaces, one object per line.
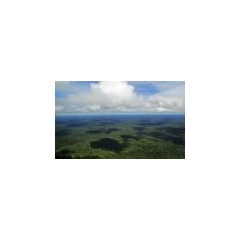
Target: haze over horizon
{"x":113,"y":97}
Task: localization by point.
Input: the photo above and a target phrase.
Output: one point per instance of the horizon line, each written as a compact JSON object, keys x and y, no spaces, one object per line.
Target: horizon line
{"x":119,"y":113}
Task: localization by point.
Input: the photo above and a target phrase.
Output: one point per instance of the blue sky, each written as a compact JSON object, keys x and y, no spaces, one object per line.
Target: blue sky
{"x":116,"y":96}
{"x":145,"y":88}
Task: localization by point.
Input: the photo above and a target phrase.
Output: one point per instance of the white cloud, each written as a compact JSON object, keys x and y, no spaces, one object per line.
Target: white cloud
{"x":119,"y":97}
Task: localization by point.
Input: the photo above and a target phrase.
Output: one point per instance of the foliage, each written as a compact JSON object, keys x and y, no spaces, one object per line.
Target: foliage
{"x":121,"y":137}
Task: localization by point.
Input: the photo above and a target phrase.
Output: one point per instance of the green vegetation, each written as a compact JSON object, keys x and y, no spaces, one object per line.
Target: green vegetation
{"x":117,"y":137}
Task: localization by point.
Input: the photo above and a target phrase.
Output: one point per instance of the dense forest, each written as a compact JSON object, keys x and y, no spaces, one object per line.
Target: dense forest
{"x":129,"y":136}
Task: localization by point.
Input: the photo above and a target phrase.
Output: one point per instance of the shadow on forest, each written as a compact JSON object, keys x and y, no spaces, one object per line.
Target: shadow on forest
{"x":59,"y":133}
{"x":98,"y":131}
{"x":161,"y":135}
{"x":63,"y":154}
{"x":174,"y":130}
{"x":107,"y":144}
{"x":94,"y":131}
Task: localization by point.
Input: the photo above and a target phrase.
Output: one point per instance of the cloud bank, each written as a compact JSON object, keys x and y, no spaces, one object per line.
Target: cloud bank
{"x":119,"y":97}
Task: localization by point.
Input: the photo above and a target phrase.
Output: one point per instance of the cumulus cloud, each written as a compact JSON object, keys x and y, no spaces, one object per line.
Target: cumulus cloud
{"x":104,"y":97}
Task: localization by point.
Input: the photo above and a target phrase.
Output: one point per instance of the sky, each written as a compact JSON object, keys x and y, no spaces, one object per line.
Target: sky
{"x":76,"y":97}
